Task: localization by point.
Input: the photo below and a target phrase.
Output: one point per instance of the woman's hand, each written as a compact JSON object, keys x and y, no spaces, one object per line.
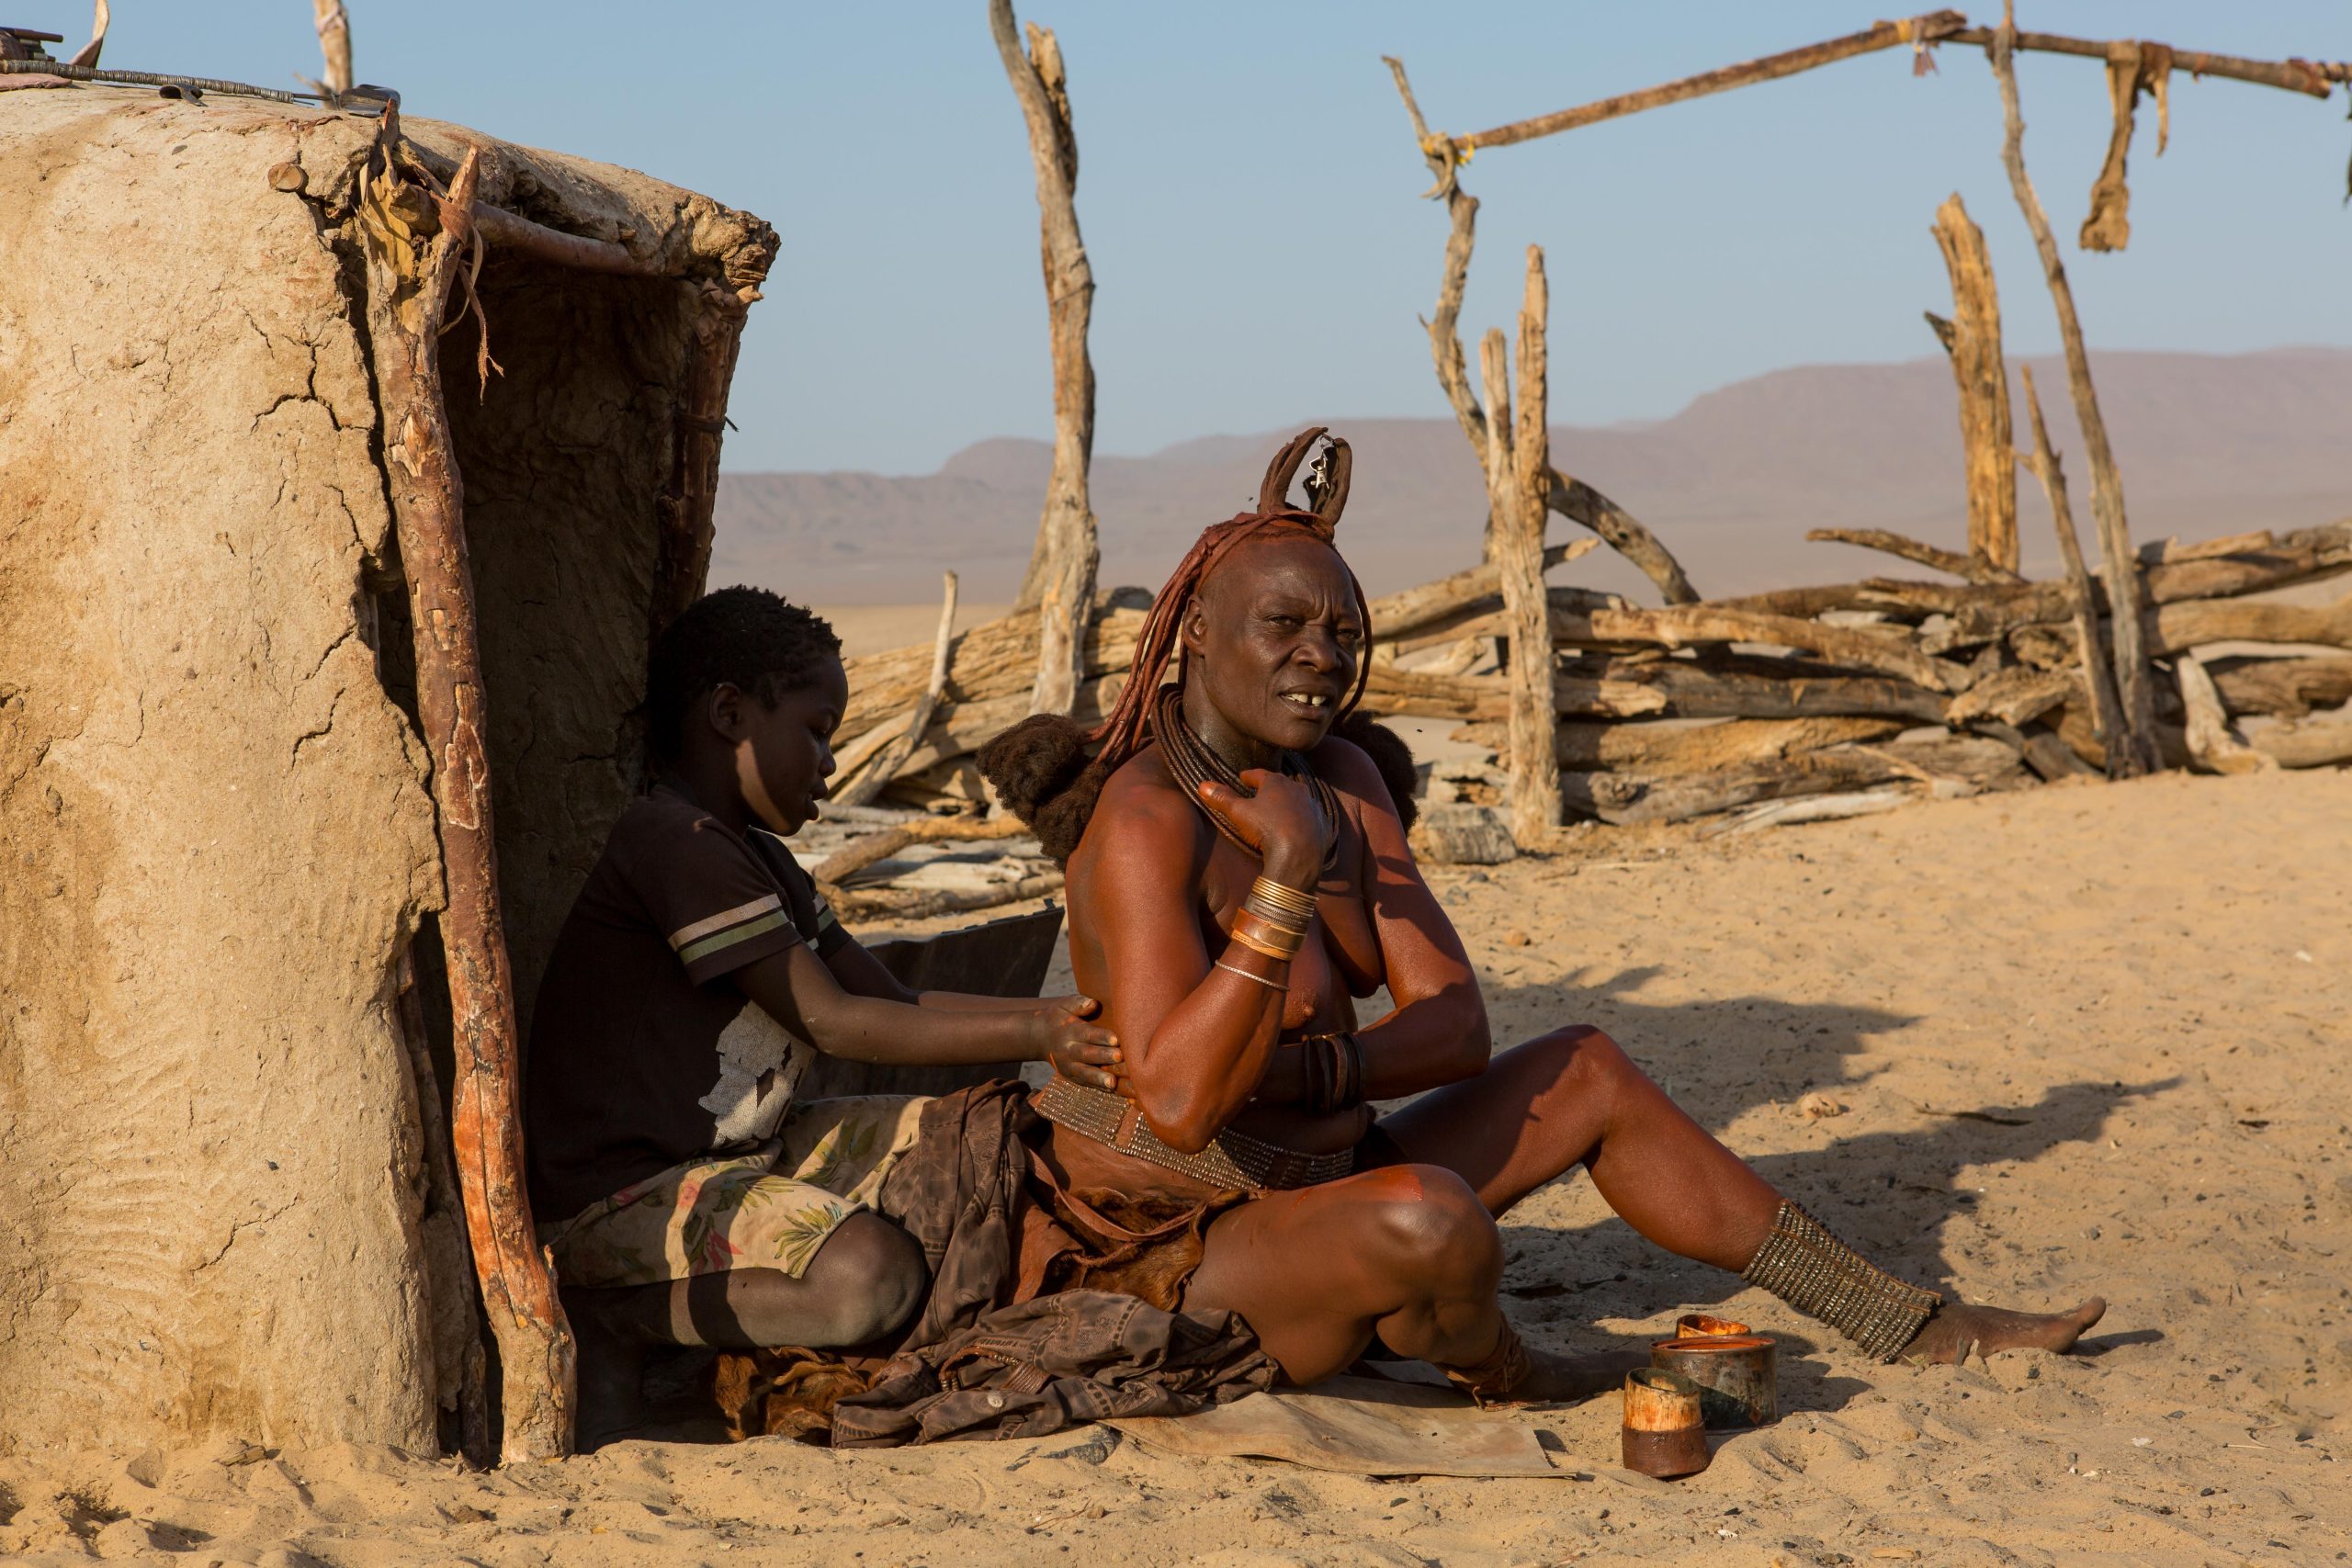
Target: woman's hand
{"x":1080,"y":1051}
{"x":1277,"y":818}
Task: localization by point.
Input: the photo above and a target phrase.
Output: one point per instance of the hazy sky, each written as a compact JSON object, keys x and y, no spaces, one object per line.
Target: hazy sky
{"x":1248,"y":191}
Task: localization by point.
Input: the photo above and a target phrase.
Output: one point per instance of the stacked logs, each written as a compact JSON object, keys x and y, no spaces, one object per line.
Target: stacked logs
{"x":1873,"y":691}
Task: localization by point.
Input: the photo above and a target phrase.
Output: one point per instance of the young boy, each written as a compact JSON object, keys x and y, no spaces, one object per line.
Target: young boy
{"x":687,"y":1197}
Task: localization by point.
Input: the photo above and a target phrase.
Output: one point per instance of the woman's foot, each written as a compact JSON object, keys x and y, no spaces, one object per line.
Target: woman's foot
{"x":1957,"y":1329}
{"x":1559,"y":1380}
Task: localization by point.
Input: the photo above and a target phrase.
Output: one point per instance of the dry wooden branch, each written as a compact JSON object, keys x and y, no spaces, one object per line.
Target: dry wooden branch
{"x":2015,"y":695}
{"x":1940,"y":27}
{"x":459,"y":1365}
{"x":1761,"y":689}
{"x":2321,"y":743}
{"x":2099,"y":680}
{"x":101,"y":16}
{"x":924,"y":903}
{"x":1675,"y":749}
{"x":1889,"y":652}
{"x":1587,"y":507}
{"x":334,"y":24}
{"x":2211,"y":745}
{"x":2042,"y":752}
{"x":1574,"y":499}
{"x":1519,"y":468}
{"x":890,"y":757}
{"x":1893,"y":544}
{"x":2282,"y":688}
{"x":1814,"y":808}
{"x":1627,"y":799}
{"x":1414,"y":609}
{"x":996,"y":658}
{"x":2136,"y":696}
{"x":1063,"y":563}
{"x":1916,"y":31}
{"x":1983,"y":375}
{"x":2316,"y":78}
{"x":2174,"y":628}
{"x":411,"y":263}
{"x":855,"y":857}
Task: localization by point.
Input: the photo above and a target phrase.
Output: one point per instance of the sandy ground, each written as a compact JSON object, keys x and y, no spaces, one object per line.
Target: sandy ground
{"x":2091,"y":1039}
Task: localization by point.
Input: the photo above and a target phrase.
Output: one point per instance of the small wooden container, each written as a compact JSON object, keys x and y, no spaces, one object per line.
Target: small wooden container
{"x":1664,"y":1434}
{"x":1738,"y":1375}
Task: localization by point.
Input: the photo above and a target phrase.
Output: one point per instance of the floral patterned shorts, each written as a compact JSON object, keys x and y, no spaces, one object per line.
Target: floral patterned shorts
{"x":770,"y":1207}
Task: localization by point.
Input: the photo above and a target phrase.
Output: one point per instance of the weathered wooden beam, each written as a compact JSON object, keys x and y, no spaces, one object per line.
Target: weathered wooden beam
{"x":1889,"y":652}
{"x":1518,"y":470}
{"x":2314,"y":78}
{"x":1414,"y":609}
{"x":2135,"y":693}
{"x":1982,"y":374}
{"x":1928,"y":28}
{"x":2174,"y":628}
{"x":2097,"y":673}
{"x":873,"y":777}
{"x":412,"y":265}
{"x":2283,"y":688}
{"x":1068,"y":553}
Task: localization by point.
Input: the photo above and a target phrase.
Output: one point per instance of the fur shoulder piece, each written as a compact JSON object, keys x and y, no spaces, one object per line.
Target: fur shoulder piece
{"x":1041,"y":772}
{"x":1392,"y":757}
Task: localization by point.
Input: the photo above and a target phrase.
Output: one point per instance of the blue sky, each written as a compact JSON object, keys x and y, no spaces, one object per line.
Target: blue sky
{"x":1248,"y":191}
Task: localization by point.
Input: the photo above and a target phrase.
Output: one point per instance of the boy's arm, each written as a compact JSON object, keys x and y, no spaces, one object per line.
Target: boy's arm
{"x":861,"y":973}
{"x":794,"y":988}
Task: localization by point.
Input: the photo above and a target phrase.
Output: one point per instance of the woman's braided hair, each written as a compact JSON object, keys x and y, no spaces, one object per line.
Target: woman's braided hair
{"x":1042,"y":769}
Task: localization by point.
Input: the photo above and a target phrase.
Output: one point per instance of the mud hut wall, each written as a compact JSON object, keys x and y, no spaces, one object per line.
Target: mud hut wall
{"x":214,"y":822}
{"x":564,"y":459}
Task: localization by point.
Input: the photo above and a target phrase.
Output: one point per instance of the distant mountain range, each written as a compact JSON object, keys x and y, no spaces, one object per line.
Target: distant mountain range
{"x":2208,"y":445}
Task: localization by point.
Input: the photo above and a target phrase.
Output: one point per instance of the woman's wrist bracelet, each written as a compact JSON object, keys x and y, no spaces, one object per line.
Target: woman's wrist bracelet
{"x":1233,"y":969}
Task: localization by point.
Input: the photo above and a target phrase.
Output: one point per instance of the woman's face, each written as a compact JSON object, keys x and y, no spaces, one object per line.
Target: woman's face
{"x":1273,"y":641}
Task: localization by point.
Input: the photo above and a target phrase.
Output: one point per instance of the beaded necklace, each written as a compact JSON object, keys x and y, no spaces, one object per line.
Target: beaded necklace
{"x":1193,"y":763}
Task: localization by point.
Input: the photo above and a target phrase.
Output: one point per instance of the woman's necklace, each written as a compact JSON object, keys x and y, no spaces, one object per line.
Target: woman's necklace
{"x":1193,"y":761}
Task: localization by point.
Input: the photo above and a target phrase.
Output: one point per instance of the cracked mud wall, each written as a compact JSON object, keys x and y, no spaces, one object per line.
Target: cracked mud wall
{"x":215,"y":834}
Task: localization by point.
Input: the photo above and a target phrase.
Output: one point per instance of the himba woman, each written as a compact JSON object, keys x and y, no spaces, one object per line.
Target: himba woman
{"x":1237,"y":874}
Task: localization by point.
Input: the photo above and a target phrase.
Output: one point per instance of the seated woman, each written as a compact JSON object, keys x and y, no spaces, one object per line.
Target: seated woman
{"x":1237,"y":874}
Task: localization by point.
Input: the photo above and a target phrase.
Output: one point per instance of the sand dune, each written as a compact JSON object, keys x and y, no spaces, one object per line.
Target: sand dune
{"x":2078,"y":1056}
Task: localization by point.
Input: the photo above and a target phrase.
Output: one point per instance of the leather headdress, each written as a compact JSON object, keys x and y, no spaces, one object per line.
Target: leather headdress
{"x":1125,"y":731}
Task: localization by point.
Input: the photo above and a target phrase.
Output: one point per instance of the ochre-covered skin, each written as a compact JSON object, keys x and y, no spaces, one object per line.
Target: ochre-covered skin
{"x":1409,"y":1251}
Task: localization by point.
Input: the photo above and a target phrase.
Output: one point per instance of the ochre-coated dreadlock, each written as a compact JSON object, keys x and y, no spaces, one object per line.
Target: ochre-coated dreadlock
{"x":1041,"y":767}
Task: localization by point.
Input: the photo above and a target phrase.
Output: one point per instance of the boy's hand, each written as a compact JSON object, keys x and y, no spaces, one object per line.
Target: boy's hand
{"x":1083,"y":1051}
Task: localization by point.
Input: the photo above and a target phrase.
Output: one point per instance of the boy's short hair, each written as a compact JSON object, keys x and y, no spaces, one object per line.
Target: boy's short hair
{"x":746,"y":637}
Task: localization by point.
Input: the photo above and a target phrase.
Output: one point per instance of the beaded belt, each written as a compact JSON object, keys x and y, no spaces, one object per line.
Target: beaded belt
{"x":1234,"y":1161}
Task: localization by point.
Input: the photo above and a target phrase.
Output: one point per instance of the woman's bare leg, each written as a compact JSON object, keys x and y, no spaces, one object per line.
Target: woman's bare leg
{"x":1575,"y":1099}
{"x":1407,"y":1253}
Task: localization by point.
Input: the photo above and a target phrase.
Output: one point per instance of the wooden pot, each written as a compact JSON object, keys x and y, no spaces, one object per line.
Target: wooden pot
{"x":1664,"y":1434}
{"x":1738,"y":1375}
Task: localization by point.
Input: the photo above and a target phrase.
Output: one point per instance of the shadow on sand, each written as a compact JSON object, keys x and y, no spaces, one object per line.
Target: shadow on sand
{"x":1892,"y":1194}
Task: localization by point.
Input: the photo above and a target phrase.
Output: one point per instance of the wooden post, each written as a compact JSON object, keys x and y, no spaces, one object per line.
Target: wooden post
{"x":334,"y":24}
{"x":415,"y":248}
{"x":1519,"y":472}
{"x":1572,"y":498}
{"x":875,"y":776}
{"x":1062,"y":565}
{"x":2138,"y":752}
{"x":2097,"y":679}
{"x":1977,"y":366}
